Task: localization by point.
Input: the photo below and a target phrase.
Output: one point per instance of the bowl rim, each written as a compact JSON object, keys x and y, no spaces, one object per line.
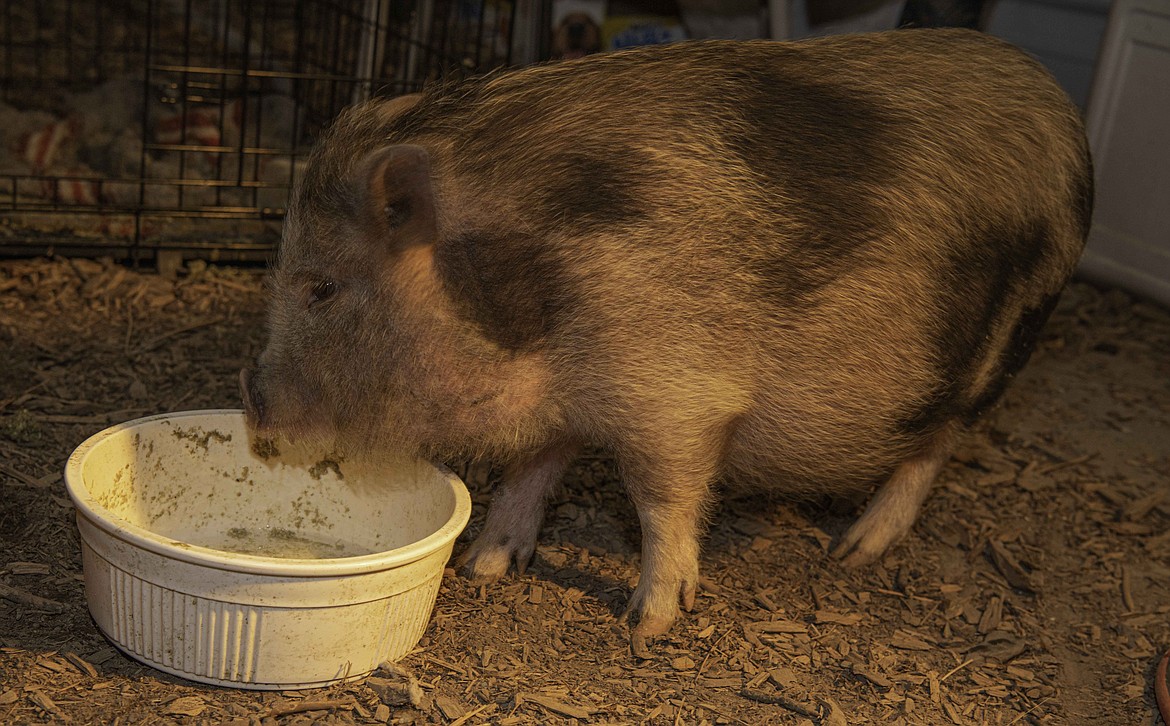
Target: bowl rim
{"x":110,"y":523}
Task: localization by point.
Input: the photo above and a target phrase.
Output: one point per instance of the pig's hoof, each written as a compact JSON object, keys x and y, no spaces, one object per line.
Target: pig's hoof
{"x":647,"y":628}
{"x":866,"y":541}
{"x":657,"y":604}
{"x":654,"y":625}
{"x":487,"y":561}
{"x":639,"y":647}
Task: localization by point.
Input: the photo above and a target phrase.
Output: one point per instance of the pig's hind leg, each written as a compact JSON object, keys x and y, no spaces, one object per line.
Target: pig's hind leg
{"x":516,"y":515}
{"x":894,"y":507}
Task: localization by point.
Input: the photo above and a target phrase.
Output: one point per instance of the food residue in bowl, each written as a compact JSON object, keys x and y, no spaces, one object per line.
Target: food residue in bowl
{"x":286,"y":543}
{"x":265,"y":448}
{"x":200,"y":438}
{"x":319,"y":469}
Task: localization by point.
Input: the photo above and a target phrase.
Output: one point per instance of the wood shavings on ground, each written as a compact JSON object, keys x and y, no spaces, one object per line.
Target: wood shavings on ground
{"x":1035,"y":589}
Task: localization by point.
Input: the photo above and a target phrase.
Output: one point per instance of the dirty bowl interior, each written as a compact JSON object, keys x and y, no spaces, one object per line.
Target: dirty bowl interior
{"x":223,"y":561}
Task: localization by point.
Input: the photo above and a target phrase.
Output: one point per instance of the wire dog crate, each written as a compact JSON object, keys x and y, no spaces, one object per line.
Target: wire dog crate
{"x":150,"y":128}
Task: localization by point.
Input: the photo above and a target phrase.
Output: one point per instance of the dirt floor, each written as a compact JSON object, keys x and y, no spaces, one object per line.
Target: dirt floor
{"x":1034,"y":589}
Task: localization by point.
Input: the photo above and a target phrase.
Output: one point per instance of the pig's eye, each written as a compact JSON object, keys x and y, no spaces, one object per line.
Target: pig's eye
{"x":322,"y":291}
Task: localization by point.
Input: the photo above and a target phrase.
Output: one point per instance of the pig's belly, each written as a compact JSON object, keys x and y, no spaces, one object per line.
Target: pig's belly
{"x":803,"y":456}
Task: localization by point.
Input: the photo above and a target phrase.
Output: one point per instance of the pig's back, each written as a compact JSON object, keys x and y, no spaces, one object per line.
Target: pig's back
{"x":786,"y":134}
{"x":798,"y":163}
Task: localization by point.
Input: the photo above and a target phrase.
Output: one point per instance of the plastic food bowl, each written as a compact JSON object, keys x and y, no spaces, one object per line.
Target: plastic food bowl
{"x":249,"y":568}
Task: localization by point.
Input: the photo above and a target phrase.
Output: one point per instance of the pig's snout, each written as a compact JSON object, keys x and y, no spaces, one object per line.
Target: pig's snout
{"x":275,"y":403}
{"x":253,"y":402}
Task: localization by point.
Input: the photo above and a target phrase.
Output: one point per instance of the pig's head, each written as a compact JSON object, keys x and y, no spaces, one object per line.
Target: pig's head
{"x":370,"y":346}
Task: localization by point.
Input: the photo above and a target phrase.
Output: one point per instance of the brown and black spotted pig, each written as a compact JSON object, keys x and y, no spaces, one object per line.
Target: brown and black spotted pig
{"x":804,"y":266}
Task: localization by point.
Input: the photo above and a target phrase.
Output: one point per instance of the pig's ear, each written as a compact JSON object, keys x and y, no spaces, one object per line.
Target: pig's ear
{"x":400,"y":198}
{"x":398,"y":105}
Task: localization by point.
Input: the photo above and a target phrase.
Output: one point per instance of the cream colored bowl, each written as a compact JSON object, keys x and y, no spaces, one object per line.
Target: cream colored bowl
{"x":208,"y":560}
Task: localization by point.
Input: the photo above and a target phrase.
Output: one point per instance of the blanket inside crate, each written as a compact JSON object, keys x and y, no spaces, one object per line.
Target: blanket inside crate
{"x":110,"y":147}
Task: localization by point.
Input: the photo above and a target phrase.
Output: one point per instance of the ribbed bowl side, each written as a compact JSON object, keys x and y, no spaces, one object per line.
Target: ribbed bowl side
{"x":254,"y":646}
{"x":182,"y":633}
{"x":407,"y":615}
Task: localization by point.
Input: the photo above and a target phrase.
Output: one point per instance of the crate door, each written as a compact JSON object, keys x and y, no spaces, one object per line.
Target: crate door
{"x":1129,"y":131}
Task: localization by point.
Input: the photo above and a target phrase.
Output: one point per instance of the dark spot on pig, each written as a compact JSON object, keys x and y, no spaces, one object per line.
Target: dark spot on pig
{"x":979,"y":279}
{"x":825,"y":155}
{"x":596,"y":192}
{"x":1026,"y":334}
{"x":511,"y":286}
{"x":791,"y":279}
{"x":1015,"y":355}
{"x":930,"y":416}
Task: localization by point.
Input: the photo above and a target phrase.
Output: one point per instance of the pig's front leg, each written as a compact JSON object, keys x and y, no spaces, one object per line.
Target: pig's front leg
{"x":516,"y":514}
{"x":670,"y":509}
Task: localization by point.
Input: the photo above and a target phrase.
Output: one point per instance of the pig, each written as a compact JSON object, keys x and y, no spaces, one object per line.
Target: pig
{"x":801,"y":266}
